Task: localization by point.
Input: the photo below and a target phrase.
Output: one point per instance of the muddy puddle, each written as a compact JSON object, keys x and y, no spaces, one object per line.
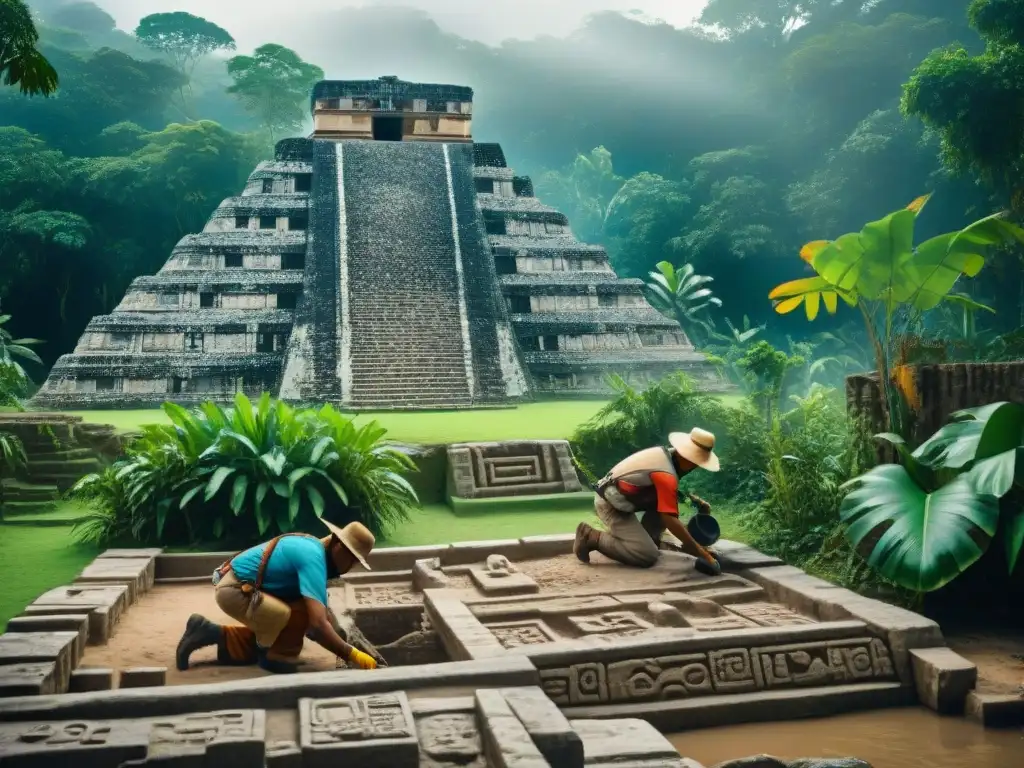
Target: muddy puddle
{"x":894,"y":738}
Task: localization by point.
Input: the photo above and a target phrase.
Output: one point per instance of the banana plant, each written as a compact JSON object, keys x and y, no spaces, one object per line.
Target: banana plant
{"x":680,"y":294}
{"x":13,"y":378}
{"x":923,"y":522}
{"x":880,"y":272}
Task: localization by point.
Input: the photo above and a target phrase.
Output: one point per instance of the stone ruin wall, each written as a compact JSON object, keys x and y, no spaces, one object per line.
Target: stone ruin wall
{"x":496,"y":661}
{"x":942,"y":390}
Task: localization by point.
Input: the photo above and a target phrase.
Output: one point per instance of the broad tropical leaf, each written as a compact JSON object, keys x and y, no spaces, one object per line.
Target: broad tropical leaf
{"x":923,"y":540}
{"x":975,"y":434}
{"x":811,"y":291}
{"x":1014,"y":538}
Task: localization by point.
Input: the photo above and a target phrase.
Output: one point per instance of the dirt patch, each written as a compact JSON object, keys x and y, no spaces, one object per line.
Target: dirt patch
{"x":999,"y":657}
{"x":567,"y":574}
{"x":149,"y":632}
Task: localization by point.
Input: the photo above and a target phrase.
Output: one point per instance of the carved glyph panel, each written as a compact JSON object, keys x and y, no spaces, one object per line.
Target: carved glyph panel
{"x":488,"y":470}
{"x":616,"y":622}
{"x":377,"y":731}
{"x":736,"y":670}
{"x":770,"y":614}
{"x":370,"y":595}
{"x":515,"y":634}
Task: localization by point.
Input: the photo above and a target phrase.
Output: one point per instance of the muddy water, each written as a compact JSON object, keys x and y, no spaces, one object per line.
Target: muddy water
{"x":894,"y":738}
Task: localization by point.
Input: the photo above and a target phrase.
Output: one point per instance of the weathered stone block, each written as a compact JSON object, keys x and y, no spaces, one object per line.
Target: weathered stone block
{"x":60,"y":648}
{"x":943,"y":679}
{"x":547,"y":726}
{"x":995,"y":710}
{"x":75,"y":622}
{"x":88,"y":680}
{"x":284,"y":754}
{"x":143,"y":677}
{"x":506,"y":741}
{"x":495,"y":582}
{"x":427,"y":574}
{"x":104,"y":605}
{"x":553,"y":545}
{"x":84,"y":744}
{"x":735,"y":556}
{"x":134,"y":573}
{"x":524,"y":468}
{"x":828,"y":762}
{"x":462,"y":634}
{"x":621,"y":741}
{"x":34,"y":679}
{"x":370,"y":731}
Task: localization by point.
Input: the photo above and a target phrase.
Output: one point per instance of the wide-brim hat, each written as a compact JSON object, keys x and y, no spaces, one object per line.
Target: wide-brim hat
{"x":357,"y":539}
{"x":697,"y":446}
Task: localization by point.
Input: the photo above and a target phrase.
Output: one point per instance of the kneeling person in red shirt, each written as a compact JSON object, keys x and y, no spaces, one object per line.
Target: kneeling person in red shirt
{"x":648,"y":482}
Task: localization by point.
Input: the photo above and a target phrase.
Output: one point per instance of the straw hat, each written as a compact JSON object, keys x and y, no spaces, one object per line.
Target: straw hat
{"x":698,"y":446}
{"x":356,"y":537}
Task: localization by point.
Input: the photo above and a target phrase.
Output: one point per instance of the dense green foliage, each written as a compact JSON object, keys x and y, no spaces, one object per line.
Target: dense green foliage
{"x":245,"y":473}
{"x":21,"y":63}
{"x":923,"y":522}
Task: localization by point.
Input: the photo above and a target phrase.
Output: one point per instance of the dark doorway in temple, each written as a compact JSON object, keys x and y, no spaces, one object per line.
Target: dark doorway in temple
{"x":387,"y":129}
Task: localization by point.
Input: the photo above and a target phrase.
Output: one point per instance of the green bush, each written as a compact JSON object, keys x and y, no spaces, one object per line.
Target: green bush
{"x":244,"y":473}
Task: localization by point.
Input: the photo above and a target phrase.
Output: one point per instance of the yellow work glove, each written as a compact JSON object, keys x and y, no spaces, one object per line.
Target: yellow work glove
{"x":362,"y":660}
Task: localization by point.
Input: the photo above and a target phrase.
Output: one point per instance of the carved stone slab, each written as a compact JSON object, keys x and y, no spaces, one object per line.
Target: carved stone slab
{"x":448,"y":733}
{"x":370,"y":595}
{"x":614,"y":622}
{"x":228,"y":738}
{"x":58,"y":648}
{"x":525,"y":468}
{"x":368,"y":731}
{"x":769,"y":614}
{"x":35,"y":679}
{"x":104,"y":605}
{"x":78,"y":743}
{"x":723,"y":671}
{"x":516,"y":634}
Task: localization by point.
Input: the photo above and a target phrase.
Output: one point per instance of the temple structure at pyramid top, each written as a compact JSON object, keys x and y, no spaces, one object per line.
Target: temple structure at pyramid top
{"x":387,"y":261}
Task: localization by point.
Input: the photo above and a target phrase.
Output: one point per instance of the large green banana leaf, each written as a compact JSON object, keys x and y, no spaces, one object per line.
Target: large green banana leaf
{"x":918,"y":540}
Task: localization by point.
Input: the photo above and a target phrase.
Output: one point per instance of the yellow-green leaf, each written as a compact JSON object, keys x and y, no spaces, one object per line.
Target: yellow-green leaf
{"x":840,"y":262}
{"x":812,"y":249}
{"x":812,"y":304}
{"x":918,"y":203}
{"x":787,"y":306}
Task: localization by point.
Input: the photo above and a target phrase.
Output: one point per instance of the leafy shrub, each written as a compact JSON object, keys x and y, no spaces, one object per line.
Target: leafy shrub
{"x":634,"y":420}
{"x":247,"y":472}
{"x":924,"y":522}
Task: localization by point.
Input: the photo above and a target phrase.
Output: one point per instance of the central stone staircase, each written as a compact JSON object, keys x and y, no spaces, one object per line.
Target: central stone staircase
{"x":408,"y":346}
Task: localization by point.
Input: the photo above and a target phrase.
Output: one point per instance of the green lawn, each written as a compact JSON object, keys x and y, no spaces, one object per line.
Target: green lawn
{"x":33,"y":560}
{"x":550,"y":420}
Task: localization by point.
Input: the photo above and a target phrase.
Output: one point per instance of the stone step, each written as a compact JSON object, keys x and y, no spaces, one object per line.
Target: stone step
{"x":54,"y":518}
{"x":12,"y":509}
{"x":56,"y":453}
{"x":62,"y":467}
{"x":390,"y":387}
{"x":15,"y":490}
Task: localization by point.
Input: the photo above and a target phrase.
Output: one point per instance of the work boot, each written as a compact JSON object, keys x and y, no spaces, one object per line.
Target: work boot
{"x":276,"y":666}
{"x":199,"y":633}
{"x":586,"y":542}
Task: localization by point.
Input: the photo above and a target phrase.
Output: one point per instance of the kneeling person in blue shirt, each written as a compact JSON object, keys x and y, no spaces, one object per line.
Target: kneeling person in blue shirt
{"x":278,"y":591}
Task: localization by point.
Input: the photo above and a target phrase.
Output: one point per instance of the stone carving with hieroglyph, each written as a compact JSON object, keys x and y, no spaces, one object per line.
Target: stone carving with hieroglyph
{"x":369,"y":731}
{"x":739,"y":670}
{"x":450,"y":739}
{"x":366,"y":595}
{"x":607,"y":623}
{"x":523,"y":468}
{"x":515,"y":634}
{"x":770,"y":614}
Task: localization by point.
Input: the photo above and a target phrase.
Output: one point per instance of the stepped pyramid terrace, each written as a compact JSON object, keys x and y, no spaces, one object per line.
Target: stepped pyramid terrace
{"x":387,"y":261}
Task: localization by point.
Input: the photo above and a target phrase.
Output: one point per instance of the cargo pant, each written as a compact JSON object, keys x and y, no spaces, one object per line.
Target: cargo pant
{"x":268,"y":622}
{"x":626,"y":539}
